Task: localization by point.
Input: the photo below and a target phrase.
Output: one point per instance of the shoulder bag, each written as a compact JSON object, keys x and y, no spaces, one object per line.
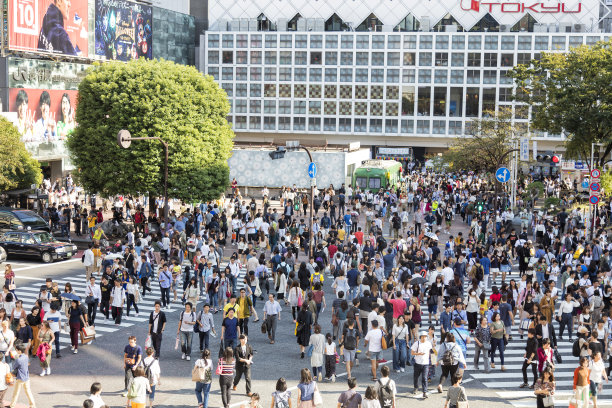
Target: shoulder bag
{"x":548,"y":401}
{"x":383,"y":341}
{"x":317,"y":399}
{"x":198,"y":373}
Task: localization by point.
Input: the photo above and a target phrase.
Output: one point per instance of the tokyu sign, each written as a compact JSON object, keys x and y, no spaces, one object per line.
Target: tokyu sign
{"x":521,"y":7}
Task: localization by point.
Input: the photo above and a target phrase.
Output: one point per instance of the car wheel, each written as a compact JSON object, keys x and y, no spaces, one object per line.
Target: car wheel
{"x":46,"y":257}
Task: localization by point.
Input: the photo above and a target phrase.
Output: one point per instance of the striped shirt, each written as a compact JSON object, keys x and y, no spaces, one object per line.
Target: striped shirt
{"x":226,"y":369}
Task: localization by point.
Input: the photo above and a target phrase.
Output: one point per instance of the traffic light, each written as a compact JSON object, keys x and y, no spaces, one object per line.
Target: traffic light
{"x":479,"y":206}
{"x":279,"y":153}
{"x":549,"y":158}
{"x":556,"y":159}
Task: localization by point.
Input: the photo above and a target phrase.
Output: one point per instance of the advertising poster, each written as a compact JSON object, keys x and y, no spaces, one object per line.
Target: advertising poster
{"x":44,"y":118}
{"x":123,"y":30}
{"x":49,"y":26}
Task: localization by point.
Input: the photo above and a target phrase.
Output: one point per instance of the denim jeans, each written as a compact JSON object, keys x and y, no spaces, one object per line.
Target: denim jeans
{"x":566,"y":321}
{"x":497,"y":344}
{"x":400,"y":354}
{"x":214,"y":301}
{"x":186,"y":338}
{"x":204,"y":337}
{"x":229,"y":343}
{"x":201,"y":392}
{"x":353,"y":292}
{"x":420,"y":371}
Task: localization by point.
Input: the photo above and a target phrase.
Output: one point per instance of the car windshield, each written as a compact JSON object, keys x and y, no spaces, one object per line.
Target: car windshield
{"x":27,"y":216}
{"x":43,"y":237}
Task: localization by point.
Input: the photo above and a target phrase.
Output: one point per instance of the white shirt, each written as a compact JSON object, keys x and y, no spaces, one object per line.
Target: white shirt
{"x":97,"y":400}
{"x":374,"y":338}
{"x":117,"y":296}
{"x":89,"y":258}
{"x":93,"y":291}
{"x":187,"y":318}
{"x":448,"y":275}
{"x":421,"y":347}
{"x":597,"y":371}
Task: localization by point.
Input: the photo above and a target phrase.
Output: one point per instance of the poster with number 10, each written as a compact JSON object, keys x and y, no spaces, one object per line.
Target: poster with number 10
{"x":49,"y":26}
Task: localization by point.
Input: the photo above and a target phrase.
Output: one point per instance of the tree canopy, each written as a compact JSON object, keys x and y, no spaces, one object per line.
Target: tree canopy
{"x":17,"y":167}
{"x":488,"y":146}
{"x":571,"y":92}
{"x":152,"y":98}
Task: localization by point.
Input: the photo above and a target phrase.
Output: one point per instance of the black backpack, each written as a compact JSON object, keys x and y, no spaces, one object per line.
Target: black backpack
{"x":448,"y":358}
{"x":385,"y":395}
{"x":576,"y":348}
{"x":350,"y":340}
{"x":479,"y":273}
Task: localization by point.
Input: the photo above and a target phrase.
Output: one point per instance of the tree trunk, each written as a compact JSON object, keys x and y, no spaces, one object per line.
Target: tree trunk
{"x":152,"y":204}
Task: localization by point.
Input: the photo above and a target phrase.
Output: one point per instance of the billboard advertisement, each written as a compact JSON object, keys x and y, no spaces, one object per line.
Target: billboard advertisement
{"x":43,"y":74}
{"x":49,"y":26}
{"x":123,"y":30}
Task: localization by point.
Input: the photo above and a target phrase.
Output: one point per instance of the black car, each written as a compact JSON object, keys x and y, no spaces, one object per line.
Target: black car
{"x":38,"y":244}
{"x":17,"y":218}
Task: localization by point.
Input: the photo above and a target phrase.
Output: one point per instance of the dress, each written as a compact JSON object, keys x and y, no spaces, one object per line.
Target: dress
{"x":46,"y":338}
{"x":318,"y":343}
{"x":304,"y":321}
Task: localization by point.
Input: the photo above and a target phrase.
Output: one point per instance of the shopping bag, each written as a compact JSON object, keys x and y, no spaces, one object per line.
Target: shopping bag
{"x":148,"y":342}
{"x":177,"y":343}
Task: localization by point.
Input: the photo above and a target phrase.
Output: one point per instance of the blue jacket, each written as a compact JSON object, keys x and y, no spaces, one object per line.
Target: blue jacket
{"x":445,"y":320}
{"x":53,"y":36}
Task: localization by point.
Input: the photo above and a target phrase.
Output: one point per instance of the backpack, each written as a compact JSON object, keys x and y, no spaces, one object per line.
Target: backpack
{"x":316,"y":278}
{"x":576,"y":348}
{"x":479,"y":275}
{"x":350,"y":340}
{"x":448,"y":358}
{"x":385,"y":395}
{"x":148,"y":373}
{"x":279,"y":402}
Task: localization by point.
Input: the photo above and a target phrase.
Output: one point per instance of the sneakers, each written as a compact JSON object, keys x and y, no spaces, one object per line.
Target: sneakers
{"x":333,"y":378}
{"x":75,"y":351}
{"x":424,"y":395}
{"x":381,"y":361}
{"x":44,"y":372}
{"x":137,"y":314}
{"x":320,"y":376}
{"x":49,"y":371}
{"x":402,"y":370}
{"x":71,"y":347}
{"x":356,"y":363}
{"x":183,"y":356}
{"x":524,"y":385}
{"x":188,"y":358}
{"x":397,"y":371}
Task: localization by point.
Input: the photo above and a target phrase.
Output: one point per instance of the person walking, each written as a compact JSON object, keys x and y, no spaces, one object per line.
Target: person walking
{"x":545,"y":389}
{"x":132,"y":296}
{"x":54,"y":317}
{"x":245,"y":309}
{"x":386,"y":389}
{"x":304,"y":322}
{"x":92,"y":299}
{"x":371,"y":398}
{"x":596,"y":376}
{"x":157,"y":325}
{"x":373,"y":340}
{"x":117,"y":300}
{"x":152,"y":372}
{"x":450,"y":356}
{"x":165,"y":281}
{"x":132,"y":357}
{"x":230,"y":332}
{"x":482,"y":338}
{"x":349,"y":342}
{"x":204,"y":326}
{"x":202,"y":387}
{"x":498,"y":331}
{"x":272,"y":310}
{"x":530,"y":359}
{"x":582,"y":383}
{"x":420,"y":350}
{"x":317,"y":342}
{"x":350,"y":398}
{"x":75,"y":320}
{"x":185,"y":330}
{"x":306,"y":389}
{"x":456,"y":392}
{"x":138,"y":389}
{"x":22,"y":374}
{"x":88,"y":261}
{"x":226,"y":367}
{"x":281,"y":397}
{"x":43,"y":352}
{"x":244,"y":359}
{"x":401,"y":337}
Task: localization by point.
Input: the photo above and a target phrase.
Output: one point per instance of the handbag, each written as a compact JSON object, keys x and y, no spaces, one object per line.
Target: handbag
{"x":12,"y":286}
{"x":334,"y":320}
{"x":525,"y":324}
{"x":132,"y":392}
{"x":462,"y":404}
{"x":309,"y":350}
{"x":198,"y":374}
{"x":10,"y":379}
{"x":573,"y":402}
{"x":317,"y":399}
{"x":383,"y":341}
{"x":548,"y":401}
{"x":557,"y":357}
{"x":218,"y":370}
{"x":486,"y":346}
{"x":90,"y":300}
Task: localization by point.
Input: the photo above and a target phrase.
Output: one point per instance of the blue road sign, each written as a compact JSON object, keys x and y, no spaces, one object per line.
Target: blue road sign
{"x":585,"y":184}
{"x":595,"y":187}
{"x":594,"y":199}
{"x":502,"y":175}
{"x":312,"y":170}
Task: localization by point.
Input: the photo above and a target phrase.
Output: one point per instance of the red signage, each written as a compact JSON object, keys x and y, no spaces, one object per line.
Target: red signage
{"x":521,"y":7}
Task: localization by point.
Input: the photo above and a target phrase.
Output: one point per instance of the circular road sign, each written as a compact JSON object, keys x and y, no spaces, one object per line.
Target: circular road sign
{"x":595,"y":187}
{"x":594,"y":199}
{"x":123,"y":138}
{"x":595,"y":173}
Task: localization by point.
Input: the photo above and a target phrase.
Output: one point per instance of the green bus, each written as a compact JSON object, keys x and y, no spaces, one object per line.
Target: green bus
{"x":376,"y":175}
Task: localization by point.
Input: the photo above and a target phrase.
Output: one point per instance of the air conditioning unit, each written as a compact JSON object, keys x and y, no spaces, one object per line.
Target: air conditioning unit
{"x":450,"y":28}
{"x":579,"y":28}
{"x":387,"y":28}
{"x":565,"y":28}
{"x":505,"y":28}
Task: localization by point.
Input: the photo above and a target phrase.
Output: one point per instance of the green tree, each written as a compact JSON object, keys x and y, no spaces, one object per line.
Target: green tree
{"x":488,"y":146}
{"x":152,"y":98}
{"x":571,"y":92}
{"x":17,"y":167}
{"x":606,"y":183}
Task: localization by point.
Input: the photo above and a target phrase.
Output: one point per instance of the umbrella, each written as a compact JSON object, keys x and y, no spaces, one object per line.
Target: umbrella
{"x":70,"y":296}
{"x":419,"y":280}
{"x":431,"y":235}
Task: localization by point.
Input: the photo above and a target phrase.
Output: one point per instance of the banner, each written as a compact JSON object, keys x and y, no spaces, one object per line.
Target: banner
{"x":49,"y":26}
{"x":123,"y":30}
{"x":43,"y":74}
{"x":44,"y":118}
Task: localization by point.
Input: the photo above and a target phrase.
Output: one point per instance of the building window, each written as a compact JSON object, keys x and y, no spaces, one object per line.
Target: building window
{"x":410,"y":42}
{"x":344,"y":125}
{"x":255,"y":123}
{"x":391,"y":125}
{"x":346,"y":92}
{"x":392,"y":92}
{"x":255,"y":91}
{"x":331,"y":91}
{"x":505,"y":94}
{"x":491,"y":42}
{"x":378,"y":42}
{"x":347,"y":42}
{"x":255,"y":40}
{"x":240,"y":106}
{"x":299,"y":123}
{"x":376,"y":109}
{"x":423,"y":127}
{"x":240,"y":122}
{"x":409,"y":58}
{"x":363,"y":42}
{"x":228,"y":57}
{"x":541,"y":43}
{"x":241,"y":74}
{"x":213,"y":40}
{"x":408,"y":76}
{"x":523,"y":58}
{"x":346,"y":108}
{"x":376,"y":92}
{"x":316,"y":41}
{"x":300,"y":74}
{"x":504,"y":78}
{"x":299,"y":90}
{"x":314,"y":108}
{"x":425,"y":59}
{"x":407,"y":126}
{"x":440,"y":76}
{"x":331,"y":58}
{"x":439,"y":127}
{"x":454,"y":127}
{"x":315,"y":58}
{"x":376,"y":125}
{"x":392,"y":109}
{"x":442,"y":42}
{"x":458,"y":59}
{"x":455,"y":102}
{"x":285,"y":58}
{"x":330,"y":107}
{"x":331,"y":74}
{"x":361,"y":75}
{"x":441,"y":59}
{"x":361,"y":109}
{"x":426,"y":42}
{"x":269,"y":123}
{"x":329,"y":124}
{"x":378,"y":75}
{"x":524,"y":42}
{"x":299,"y":58}
{"x":488,"y":102}
{"x":228,"y":41}
{"x":473,"y":59}
{"x":473,"y":76}
{"x":269,"y":90}
{"x":315,"y":74}
{"x":575,"y":41}
{"x":458,"y":42}
{"x":284,"y":123}
{"x":213,"y":57}
{"x":241,"y":41}
{"x":346,"y":58}
{"x":456,"y":76}
{"x":471,"y":102}
{"x":362,"y":59}
{"x":361,"y":125}
{"x":489,"y":76}
{"x":301,"y":41}
{"x":474,"y":43}
{"x":284,"y":107}
{"x":255,"y":57}
{"x":439,"y":104}
{"x":227,"y":74}
{"x":270,"y":74}
{"x":424,"y":76}
{"x":490,"y":59}
{"x":393,"y":59}
{"x":314,"y":91}
{"x":346,"y":75}
{"x":299,"y":107}
{"x":507,"y":60}
{"x":424,"y":101}
{"x":241,"y":90}
{"x":286,"y":41}
{"x":331,"y":41}
{"x":393,"y":42}
{"x":558,"y":43}
{"x":378,"y":59}
{"x":270,"y":57}
{"x":255,"y":74}
{"x":271,"y":41}
{"x":393,"y":76}
{"x":284,"y":74}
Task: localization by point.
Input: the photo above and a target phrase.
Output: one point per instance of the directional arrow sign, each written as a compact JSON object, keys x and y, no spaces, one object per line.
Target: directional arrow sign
{"x":502,"y":174}
{"x":312,"y":170}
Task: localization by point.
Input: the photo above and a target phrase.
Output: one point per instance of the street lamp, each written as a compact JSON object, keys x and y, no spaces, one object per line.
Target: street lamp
{"x":279,"y":153}
{"x":124,"y":140}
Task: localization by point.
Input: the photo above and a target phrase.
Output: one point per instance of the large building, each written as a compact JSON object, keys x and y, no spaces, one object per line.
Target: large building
{"x":393,"y":73}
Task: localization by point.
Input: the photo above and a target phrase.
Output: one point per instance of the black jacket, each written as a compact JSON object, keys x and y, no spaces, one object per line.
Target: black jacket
{"x":160,"y":323}
{"x":238,"y":354}
{"x":551,"y":334}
